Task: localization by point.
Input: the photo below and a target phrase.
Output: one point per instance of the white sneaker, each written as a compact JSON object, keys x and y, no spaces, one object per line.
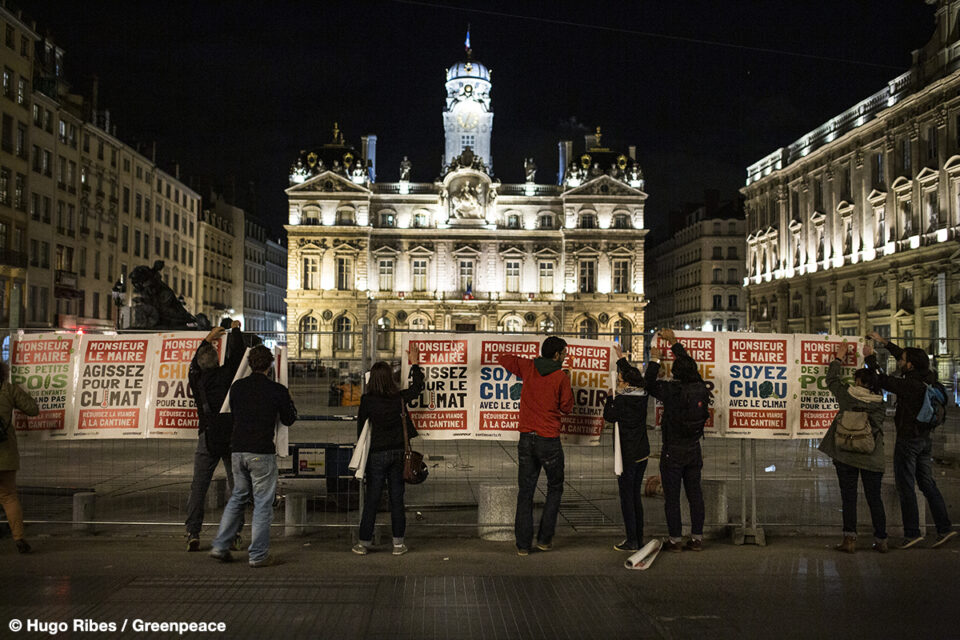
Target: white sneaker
{"x":360,"y":550}
{"x":399,"y":549}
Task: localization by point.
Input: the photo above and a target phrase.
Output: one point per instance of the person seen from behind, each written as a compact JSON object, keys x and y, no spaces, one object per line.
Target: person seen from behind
{"x":383,"y":405}
{"x":686,"y":401}
{"x":12,"y":397}
{"x":545,"y":396}
{"x":256,"y":403}
{"x":856,"y":448}
{"x":912,"y":462}
{"x":627,"y":406}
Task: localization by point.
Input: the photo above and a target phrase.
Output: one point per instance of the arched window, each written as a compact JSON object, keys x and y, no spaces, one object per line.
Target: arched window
{"x":547,"y":325}
{"x":587,"y":328}
{"x":309,"y":338}
{"x":513,"y":221}
{"x":342,"y":336}
{"x":384,"y":334}
{"x":623,"y":333}
{"x":545,"y":221}
{"x":418,"y":324}
{"x":512,"y":324}
{"x":345,"y":216}
{"x":588,"y":221}
{"x":621,"y":221}
{"x":420,"y":220}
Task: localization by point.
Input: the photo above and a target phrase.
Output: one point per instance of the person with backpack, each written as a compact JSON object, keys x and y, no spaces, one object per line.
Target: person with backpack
{"x":854,"y":442}
{"x":209,"y":383}
{"x":628,"y":408}
{"x":545,"y":396}
{"x":686,"y":408}
{"x":912,"y":462}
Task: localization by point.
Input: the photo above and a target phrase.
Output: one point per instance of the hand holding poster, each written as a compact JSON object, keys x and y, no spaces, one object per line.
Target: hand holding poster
{"x":441,"y":410}
{"x":499,"y":401}
{"x":175,"y":413}
{"x":592,"y":370}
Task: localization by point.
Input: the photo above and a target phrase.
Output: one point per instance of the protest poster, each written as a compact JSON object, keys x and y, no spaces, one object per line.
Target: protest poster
{"x":759,"y":384}
{"x":113,"y":383}
{"x":591,"y":366}
{"x":817,"y":406}
{"x":499,"y":397}
{"x":441,"y":412}
{"x":704,"y":348}
{"x":175,"y":413}
{"x":42,"y":364}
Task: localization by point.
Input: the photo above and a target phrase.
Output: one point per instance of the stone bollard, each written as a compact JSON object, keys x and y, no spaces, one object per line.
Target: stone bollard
{"x":496,"y":509}
{"x":294,"y":514}
{"x":84,"y":510}
{"x":715,"y":508}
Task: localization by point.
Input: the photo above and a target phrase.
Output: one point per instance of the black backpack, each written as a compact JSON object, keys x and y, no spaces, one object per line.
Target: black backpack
{"x":933,"y":411}
{"x":693,"y":409}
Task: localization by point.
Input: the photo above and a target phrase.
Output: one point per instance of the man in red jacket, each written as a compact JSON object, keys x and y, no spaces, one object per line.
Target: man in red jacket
{"x":545,"y":396}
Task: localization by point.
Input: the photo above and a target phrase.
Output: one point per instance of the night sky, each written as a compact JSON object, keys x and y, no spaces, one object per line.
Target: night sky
{"x":703,"y":88}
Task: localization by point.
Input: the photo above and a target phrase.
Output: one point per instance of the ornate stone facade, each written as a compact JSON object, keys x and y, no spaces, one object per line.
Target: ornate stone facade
{"x":855,"y":226}
{"x":463,"y":253}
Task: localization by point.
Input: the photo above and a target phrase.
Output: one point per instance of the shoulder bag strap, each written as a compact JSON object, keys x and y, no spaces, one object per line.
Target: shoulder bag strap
{"x":404,"y":416}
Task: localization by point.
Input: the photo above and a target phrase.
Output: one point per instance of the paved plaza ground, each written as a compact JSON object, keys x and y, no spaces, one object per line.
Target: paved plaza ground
{"x":462,"y":587}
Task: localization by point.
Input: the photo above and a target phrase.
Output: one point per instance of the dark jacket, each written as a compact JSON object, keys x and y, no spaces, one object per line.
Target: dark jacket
{"x":212,"y":385}
{"x":629,"y":411}
{"x":910,"y":390}
{"x":256,"y":401}
{"x":668,"y":392}
{"x":386,"y":426}
{"x":855,"y":399}
{"x":545,"y":396}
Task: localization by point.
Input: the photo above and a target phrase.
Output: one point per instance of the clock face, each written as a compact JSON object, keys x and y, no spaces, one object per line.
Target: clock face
{"x":468,"y":120}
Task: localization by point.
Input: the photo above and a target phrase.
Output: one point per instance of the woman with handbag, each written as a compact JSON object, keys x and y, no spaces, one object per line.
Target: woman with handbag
{"x":12,"y":397}
{"x":855,"y":443}
{"x":384,"y":405}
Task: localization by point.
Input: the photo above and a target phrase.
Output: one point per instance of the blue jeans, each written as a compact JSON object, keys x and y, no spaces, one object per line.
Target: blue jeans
{"x":630,"y":483}
{"x":912,"y":463}
{"x":682,"y":466}
{"x":254,"y":473}
{"x":847,"y":476}
{"x":534,"y":452}
{"x":204,"y":464}
{"x":383,"y":467}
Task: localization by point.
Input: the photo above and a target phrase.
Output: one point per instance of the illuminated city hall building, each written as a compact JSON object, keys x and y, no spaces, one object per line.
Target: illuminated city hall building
{"x":464,"y":252}
{"x":855,"y":226}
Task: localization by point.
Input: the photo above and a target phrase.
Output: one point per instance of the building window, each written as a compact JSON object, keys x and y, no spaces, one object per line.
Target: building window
{"x":513,"y":324}
{"x":623,"y":333}
{"x":587,"y":329}
{"x":420,"y":220}
{"x":420,"y":275}
{"x":717,"y":302}
{"x":418,"y":324}
{"x":732,"y":325}
{"x":932,"y":143}
{"x":342,"y":334}
{"x":545,"y":221}
{"x":588,"y":276}
{"x":311,"y":273}
{"x":466,"y":275}
{"x":732,"y":303}
{"x":345,"y":217}
{"x":718,"y":253}
{"x":309,"y":337}
{"x":933,"y":210}
{"x":621,"y":276}
{"x":386,"y":274}
{"x":820,"y":302}
{"x":621,"y":221}
{"x":384,"y":335}
{"x":906,"y":217}
{"x":588,"y":221}
{"x":732,"y":276}
{"x":905,"y":156}
{"x":546,"y":277}
{"x":547,"y":325}
{"x":467,"y":140}
{"x":513,"y":221}
{"x":881,"y":217}
{"x":388,"y":220}
{"x":717,"y":276}
{"x":513,"y":276}
{"x":344,"y":274}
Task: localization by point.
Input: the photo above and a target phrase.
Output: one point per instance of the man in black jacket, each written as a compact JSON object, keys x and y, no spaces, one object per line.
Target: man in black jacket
{"x":256,"y":403}
{"x":680,"y":459}
{"x":912,"y":463}
{"x":209,"y":383}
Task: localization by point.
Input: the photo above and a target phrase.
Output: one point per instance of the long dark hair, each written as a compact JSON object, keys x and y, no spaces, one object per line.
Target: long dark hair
{"x":381,"y":381}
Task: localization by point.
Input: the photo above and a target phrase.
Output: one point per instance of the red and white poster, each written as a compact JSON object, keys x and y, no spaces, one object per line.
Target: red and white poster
{"x":441,"y":412}
{"x":41,"y":364}
{"x":499,"y":393}
{"x":760,"y":384}
{"x":817,"y":406}
{"x":113,"y":381}
{"x":591,"y":365}
{"x":705,"y":349}
{"x":174,"y":413}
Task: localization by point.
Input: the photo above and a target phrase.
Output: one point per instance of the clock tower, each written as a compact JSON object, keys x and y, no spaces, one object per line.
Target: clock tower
{"x":467,"y":118}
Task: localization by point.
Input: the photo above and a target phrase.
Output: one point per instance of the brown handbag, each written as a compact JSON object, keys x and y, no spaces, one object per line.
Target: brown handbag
{"x":414,"y":469}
